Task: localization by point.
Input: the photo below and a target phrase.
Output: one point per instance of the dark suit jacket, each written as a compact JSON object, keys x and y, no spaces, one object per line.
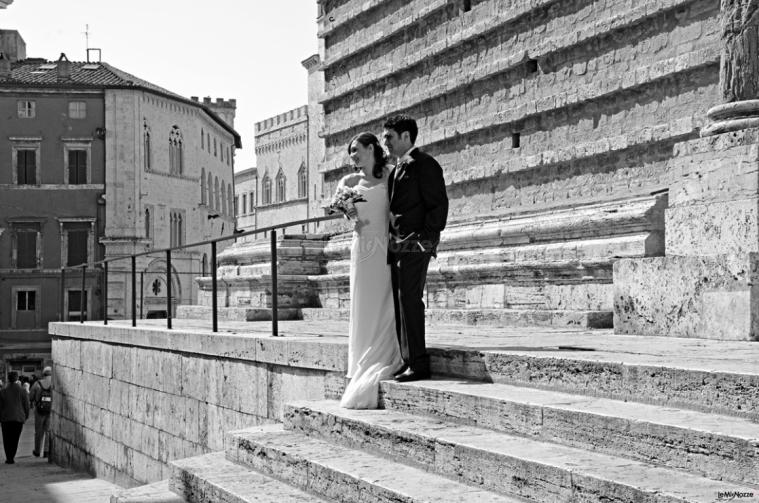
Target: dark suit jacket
{"x":419,"y":203}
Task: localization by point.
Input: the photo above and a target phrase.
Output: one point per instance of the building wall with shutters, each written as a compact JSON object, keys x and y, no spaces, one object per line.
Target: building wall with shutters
{"x":38,"y":213}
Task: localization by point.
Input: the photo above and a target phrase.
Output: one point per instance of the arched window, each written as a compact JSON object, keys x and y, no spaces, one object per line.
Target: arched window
{"x":281,"y":186}
{"x":148,"y":224}
{"x":203,"y":199}
{"x":216,"y":200}
{"x":266,"y":190}
{"x":146,"y":145}
{"x":210,"y":190}
{"x":176,"y":151}
{"x":302,"y":181}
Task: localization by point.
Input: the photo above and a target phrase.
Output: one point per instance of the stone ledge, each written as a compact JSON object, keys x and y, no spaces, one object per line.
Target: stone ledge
{"x":214,"y":478}
{"x":343,"y":474}
{"x":490,"y":317}
{"x":498,"y":461}
{"x":157,"y":492}
{"x":712,"y":297}
{"x":649,"y":433}
{"x":305,"y":352}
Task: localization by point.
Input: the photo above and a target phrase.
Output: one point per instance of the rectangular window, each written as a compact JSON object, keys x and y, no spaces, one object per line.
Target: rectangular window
{"x":27,"y":109}
{"x":26,"y":300}
{"x":26,"y":248}
{"x":77,"y":247}
{"x":252,"y":201}
{"x":26,"y":167}
{"x":75,"y":305}
{"x":244,"y":203}
{"x":77,"y":167}
{"x":77,"y":110}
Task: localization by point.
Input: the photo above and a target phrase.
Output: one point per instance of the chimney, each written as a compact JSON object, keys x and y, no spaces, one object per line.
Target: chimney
{"x":5,"y":66}
{"x":64,"y":68}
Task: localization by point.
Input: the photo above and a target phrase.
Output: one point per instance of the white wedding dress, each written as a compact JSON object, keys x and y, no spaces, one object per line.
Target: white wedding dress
{"x":373,"y":352}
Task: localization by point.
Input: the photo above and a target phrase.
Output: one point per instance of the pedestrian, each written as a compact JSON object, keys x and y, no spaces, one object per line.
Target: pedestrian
{"x":25,"y":383}
{"x":42,"y":400}
{"x":14,"y":411}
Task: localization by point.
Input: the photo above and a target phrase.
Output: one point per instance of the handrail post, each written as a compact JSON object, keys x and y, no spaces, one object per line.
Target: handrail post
{"x":63,"y":292}
{"x":82,"y":293}
{"x":168,"y":289}
{"x":134,"y":291}
{"x":105,"y":293}
{"x":274,"y":294}
{"x":142,"y":293}
{"x":214,"y":299}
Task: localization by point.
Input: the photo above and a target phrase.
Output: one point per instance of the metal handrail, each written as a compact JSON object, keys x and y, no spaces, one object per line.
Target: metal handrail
{"x":214,"y":301}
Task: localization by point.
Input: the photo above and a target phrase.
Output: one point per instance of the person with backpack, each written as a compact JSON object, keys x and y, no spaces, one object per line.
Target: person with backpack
{"x":14,"y":411}
{"x":42,"y":401}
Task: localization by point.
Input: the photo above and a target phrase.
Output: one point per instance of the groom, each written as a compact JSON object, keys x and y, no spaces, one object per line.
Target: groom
{"x":418,"y":212}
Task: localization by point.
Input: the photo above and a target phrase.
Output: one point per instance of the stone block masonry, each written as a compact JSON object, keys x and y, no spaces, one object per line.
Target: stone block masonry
{"x":128,"y":401}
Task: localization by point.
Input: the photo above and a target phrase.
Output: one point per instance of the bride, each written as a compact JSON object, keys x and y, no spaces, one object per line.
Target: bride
{"x":373,"y":352}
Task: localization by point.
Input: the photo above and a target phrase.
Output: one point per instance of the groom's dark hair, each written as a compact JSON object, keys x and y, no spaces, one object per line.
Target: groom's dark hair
{"x":401,"y":123}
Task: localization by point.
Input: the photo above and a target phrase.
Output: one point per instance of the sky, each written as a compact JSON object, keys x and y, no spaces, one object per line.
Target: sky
{"x":250,"y":50}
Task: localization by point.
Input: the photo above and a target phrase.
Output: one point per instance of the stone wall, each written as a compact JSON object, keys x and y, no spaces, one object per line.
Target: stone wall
{"x":128,"y":400}
{"x":597,"y":96}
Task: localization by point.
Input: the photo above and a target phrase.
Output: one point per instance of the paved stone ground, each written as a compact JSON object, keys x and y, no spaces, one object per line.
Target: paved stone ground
{"x":34,"y":480}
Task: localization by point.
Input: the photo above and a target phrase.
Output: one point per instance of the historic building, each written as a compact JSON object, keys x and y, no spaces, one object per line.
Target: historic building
{"x":170,"y":184}
{"x":102,"y":164}
{"x":282,"y":157}
{"x":246,"y":198}
{"x":51,"y":205}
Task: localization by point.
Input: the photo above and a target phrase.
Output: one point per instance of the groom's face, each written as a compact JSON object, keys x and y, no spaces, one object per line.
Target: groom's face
{"x":396,"y":144}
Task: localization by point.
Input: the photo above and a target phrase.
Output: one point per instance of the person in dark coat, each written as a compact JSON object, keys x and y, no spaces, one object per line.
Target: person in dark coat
{"x":418,"y":214}
{"x":14,"y":411}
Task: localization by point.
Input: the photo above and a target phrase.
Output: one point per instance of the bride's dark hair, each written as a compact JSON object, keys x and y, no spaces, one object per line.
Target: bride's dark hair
{"x":380,"y":159}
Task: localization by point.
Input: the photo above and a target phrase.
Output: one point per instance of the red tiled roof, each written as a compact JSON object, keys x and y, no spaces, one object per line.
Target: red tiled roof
{"x":41,"y":73}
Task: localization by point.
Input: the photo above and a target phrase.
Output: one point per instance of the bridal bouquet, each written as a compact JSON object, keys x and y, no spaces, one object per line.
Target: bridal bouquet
{"x":345,"y":200}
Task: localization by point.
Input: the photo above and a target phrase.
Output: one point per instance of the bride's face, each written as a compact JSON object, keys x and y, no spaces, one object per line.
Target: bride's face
{"x":362,"y":157}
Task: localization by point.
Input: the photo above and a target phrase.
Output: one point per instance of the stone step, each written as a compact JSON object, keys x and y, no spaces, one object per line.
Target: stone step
{"x":674,"y":373}
{"x":492,"y":317}
{"x":715,"y":446}
{"x":157,"y":492}
{"x":236,"y":313}
{"x":212,"y":478}
{"x":344,"y":474}
{"x":536,"y":470}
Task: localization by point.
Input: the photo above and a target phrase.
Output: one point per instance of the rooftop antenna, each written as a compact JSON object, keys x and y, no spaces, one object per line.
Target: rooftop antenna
{"x":90,"y":49}
{"x":87,"y":40}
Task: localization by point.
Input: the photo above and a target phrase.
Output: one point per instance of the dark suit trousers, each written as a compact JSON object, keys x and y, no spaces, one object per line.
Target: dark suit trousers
{"x":409,"y":273}
{"x":11,"y":435}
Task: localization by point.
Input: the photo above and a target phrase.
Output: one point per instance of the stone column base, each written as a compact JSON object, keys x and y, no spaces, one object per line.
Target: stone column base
{"x":708,"y":297}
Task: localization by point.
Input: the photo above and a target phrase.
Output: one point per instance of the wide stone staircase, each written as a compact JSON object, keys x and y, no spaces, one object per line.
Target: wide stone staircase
{"x":553,"y":423}
{"x":541,"y":268}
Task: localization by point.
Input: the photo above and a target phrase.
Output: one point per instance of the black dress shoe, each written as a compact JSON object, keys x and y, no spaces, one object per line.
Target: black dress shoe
{"x":36,"y":454}
{"x":9,"y":462}
{"x":400,"y":371}
{"x":412,"y":375}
